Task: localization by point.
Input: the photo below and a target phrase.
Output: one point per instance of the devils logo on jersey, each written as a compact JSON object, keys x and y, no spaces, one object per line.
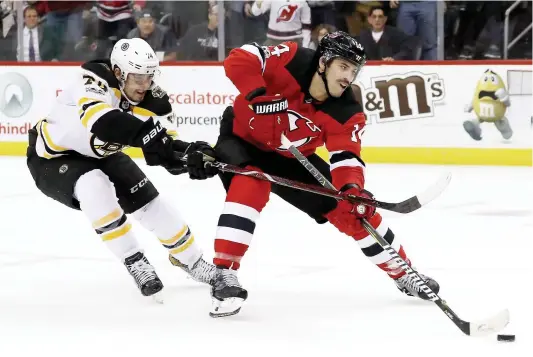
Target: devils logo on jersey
{"x":286,"y":13}
{"x":301,"y":130}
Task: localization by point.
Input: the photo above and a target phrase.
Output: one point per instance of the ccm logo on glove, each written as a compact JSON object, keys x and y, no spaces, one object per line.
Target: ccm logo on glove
{"x":152,"y":134}
{"x":271,"y":107}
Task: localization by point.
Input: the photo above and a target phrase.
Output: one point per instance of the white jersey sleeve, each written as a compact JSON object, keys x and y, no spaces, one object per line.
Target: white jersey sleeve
{"x":94,"y":98}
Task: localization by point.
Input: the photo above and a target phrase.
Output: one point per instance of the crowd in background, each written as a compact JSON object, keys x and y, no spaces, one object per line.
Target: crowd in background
{"x":188,"y":30}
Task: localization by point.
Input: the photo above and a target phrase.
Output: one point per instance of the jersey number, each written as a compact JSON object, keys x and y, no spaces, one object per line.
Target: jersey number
{"x":357,"y":133}
{"x":91,"y":80}
{"x":277,"y":50}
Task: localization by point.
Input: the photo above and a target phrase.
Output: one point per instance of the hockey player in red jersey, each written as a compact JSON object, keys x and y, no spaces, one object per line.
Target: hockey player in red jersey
{"x":307,"y":96}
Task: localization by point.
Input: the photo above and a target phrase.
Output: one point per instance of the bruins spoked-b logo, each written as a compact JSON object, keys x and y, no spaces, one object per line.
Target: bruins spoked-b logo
{"x":103,"y":148}
{"x":63,"y":169}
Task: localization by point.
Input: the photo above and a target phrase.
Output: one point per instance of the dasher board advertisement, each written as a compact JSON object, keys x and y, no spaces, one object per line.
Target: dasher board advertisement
{"x":423,"y":113}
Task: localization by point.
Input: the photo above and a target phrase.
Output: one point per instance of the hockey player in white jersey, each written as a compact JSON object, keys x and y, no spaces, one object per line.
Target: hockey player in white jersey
{"x":75,"y":157}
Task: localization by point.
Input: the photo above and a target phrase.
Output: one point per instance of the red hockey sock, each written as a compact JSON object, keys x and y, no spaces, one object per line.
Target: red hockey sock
{"x":245,"y":199}
{"x":373,"y":251}
{"x":394,"y":269}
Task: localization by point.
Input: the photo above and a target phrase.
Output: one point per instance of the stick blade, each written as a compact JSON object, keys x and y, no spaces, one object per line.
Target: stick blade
{"x":490,"y":326}
{"x":435,"y":190}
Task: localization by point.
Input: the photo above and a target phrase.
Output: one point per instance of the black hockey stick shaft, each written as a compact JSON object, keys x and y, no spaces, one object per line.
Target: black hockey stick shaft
{"x":463,"y":325}
{"x":404,"y":207}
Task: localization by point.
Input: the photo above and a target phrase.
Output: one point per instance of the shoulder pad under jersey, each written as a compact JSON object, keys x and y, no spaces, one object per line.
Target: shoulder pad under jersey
{"x":103,"y":70}
{"x":157,"y":101}
{"x":343,"y":108}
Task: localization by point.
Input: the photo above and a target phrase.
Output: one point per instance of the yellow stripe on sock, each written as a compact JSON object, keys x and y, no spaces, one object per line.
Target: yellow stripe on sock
{"x":176,"y":237}
{"x":182,"y":247}
{"x":117,"y":233}
{"x":113,"y":216}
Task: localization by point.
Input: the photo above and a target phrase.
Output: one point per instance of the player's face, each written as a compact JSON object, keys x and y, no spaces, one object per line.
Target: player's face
{"x":340,"y":74}
{"x":136,"y":86}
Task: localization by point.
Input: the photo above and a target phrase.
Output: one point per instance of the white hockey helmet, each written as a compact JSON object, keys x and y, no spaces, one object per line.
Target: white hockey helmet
{"x":136,"y":56}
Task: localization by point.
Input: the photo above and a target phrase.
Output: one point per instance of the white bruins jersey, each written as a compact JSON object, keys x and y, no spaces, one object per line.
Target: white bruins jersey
{"x":67,"y":127}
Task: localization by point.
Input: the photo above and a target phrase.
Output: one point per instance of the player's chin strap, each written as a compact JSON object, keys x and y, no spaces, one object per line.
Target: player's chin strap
{"x":126,"y":96}
{"x":324,"y":79}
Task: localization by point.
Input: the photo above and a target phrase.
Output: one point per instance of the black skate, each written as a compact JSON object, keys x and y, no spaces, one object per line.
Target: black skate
{"x":200,"y":271}
{"x":144,"y":274}
{"x":227,"y":294}
{"x":407,"y":284}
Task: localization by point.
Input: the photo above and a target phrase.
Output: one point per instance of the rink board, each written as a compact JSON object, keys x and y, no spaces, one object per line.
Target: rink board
{"x":415,"y":111}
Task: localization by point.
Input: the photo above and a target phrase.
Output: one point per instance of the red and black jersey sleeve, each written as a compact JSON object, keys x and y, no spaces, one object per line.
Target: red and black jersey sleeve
{"x":250,"y":66}
{"x":343,"y":141}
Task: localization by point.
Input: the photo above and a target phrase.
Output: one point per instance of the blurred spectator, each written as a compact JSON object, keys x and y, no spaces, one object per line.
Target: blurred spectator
{"x":472,"y":29}
{"x":318,"y":33}
{"x":38,"y":42}
{"x":479,"y":21}
{"x":289,"y":20}
{"x":181,"y":15}
{"x":32,"y":37}
{"x":419,"y":18}
{"x":8,"y":35}
{"x":322,"y":12}
{"x":383,"y":42}
{"x":158,"y":36}
{"x":64,"y":18}
{"x":91,"y":46}
{"x":242,"y":26}
{"x":115,"y":18}
{"x":200,"y":43}
{"x":356,"y":19}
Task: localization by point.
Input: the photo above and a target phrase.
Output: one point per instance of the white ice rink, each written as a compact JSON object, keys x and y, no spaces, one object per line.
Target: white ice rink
{"x":311,"y":290}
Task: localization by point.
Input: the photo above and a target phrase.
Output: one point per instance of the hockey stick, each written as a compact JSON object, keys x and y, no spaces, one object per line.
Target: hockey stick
{"x":486,"y":327}
{"x":409,"y":205}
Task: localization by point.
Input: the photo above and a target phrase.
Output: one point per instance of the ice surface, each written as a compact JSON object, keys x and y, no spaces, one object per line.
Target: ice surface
{"x":311,"y":291}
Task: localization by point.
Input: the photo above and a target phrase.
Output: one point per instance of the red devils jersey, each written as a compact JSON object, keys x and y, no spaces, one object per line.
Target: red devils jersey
{"x":287,"y":70}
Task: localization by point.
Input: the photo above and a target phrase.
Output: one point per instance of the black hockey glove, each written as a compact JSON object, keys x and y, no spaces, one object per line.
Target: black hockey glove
{"x":157,"y":146}
{"x":198,"y":154}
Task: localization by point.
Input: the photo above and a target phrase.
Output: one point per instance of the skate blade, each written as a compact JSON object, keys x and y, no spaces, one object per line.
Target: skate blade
{"x":228,"y":307}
